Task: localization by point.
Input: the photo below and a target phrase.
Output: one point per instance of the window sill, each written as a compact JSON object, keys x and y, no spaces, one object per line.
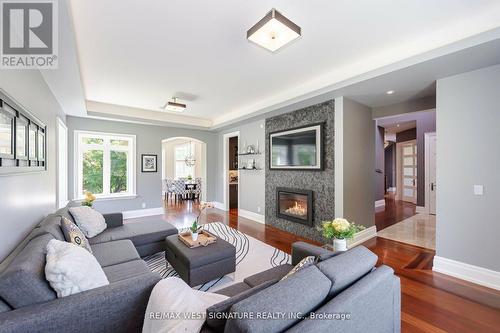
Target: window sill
{"x":111,"y":197}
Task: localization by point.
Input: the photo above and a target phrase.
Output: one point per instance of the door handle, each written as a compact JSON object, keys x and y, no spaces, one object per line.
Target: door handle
{"x":433,"y":186}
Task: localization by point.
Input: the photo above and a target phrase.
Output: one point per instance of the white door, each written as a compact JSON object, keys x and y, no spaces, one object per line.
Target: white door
{"x":409,"y":171}
{"x":62,"y":164}
{"x":432,"y":174}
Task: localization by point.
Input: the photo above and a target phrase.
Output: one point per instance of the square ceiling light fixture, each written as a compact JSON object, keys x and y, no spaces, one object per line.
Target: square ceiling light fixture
{"x":273,"y":31}
{"x":174,"y":106}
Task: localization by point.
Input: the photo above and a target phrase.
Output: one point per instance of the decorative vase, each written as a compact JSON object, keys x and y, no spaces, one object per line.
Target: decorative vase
{"x":340,"y":244}
{"x":194,"y":236}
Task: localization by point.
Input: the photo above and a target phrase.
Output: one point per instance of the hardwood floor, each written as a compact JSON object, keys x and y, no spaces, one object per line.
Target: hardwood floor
{"x":393,"y":212}
{"x":431,"y":302}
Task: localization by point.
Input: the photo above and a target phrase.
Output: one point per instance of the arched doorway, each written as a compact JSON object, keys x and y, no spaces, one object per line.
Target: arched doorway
{"x":173,"y":152}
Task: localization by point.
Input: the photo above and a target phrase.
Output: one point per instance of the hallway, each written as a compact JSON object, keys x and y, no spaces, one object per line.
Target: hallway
{"x":393,"y":212}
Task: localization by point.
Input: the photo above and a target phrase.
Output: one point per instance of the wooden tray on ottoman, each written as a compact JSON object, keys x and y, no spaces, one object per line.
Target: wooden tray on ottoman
{"x":204,"y":239}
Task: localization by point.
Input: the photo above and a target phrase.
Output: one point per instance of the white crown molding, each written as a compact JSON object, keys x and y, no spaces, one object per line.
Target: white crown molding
{"x":380,"y":203}
{"x":252,"y":216}
{"x":114,"y":110}
{"x":475,"y":274}
{"x":362,"y":236}
{"x":131,"y":214}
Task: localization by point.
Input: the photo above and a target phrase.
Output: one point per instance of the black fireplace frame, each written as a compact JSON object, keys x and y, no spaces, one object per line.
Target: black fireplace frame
{"x":310,"y":207}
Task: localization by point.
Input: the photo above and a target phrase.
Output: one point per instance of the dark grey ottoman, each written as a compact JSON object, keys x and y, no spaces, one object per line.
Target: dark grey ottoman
{"x":201,"y":264}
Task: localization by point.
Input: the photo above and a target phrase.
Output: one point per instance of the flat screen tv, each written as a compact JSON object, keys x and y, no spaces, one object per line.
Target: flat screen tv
{"x":299,"y":148}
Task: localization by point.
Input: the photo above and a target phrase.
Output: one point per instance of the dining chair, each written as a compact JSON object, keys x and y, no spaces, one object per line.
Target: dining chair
{"x":179,"y":189}
{"x":197,"y":190}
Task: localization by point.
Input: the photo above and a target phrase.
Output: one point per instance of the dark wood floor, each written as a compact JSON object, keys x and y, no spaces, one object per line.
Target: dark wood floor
{"x":431,"y":302}
{"x":393,"y":212}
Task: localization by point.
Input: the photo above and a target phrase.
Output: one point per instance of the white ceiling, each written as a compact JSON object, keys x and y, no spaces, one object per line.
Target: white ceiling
{"x":138,"y":54}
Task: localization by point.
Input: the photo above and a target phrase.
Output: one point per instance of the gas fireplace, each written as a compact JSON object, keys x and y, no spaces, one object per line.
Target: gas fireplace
{"x":295,"y":205}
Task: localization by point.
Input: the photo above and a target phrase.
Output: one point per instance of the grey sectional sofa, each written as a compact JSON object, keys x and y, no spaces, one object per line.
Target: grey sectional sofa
{"x":339,"y":284}
{"x":28,"y":303}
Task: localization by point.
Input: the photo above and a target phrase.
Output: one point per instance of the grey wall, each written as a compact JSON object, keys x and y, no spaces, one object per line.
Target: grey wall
{"x":468,"y":118}
{"x":321,"y":182}
{"x":148,"y":140}
{"x":379,"y":163}
{"x":358,"y":156}
{"x":27,"y":198}
{"x":250,"y":183}
{"x":426,"y":122}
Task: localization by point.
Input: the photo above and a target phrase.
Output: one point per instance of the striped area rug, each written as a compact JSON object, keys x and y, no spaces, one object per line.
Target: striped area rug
{"x":252,"y":256}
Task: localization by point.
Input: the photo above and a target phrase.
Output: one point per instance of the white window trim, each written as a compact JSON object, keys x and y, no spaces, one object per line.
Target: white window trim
{"x":193,"y":151}
{"x":78,"y":160}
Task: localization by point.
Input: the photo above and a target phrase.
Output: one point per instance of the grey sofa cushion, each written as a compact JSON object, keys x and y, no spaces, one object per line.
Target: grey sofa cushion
{"x":348,"y":267}
{"x":215,"y":313}
{"x":284,"y":297}
{"x":201,"y":256}
{"x":300,"y":250}
{"x":116,"y":252}
{"x":23,"y":281}
{"x":50,"y":225}
{"x":372,"y":304}
{"x":4,"y":307}
{"x":233,"y":289}
{"x":275,"y":273}
{"x":126,"y":270}
{"x":139,"y":233}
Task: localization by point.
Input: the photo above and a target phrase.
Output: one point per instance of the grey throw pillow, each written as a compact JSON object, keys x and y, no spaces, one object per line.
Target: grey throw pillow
{"x":89,"y":220}
{"x":74,"y":235}
{"x":306,"y":262}
{"x":217,"y":313}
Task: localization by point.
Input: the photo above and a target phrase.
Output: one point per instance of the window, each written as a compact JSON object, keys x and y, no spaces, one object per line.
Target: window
{"x":105,"y":164}
{"x":180,"y":153}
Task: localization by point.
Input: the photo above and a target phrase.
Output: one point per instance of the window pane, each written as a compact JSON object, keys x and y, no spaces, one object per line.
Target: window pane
{"x":408,"y":161}
{"x":5,"y":134}
{"x":118,"y":172}
{"x":94,"y":141}
{"x":123,"y":143}
{"x":93,"y":171}
{"x":32,"y":143}
{"x":408,"y":172}
{"x":41,"y":146}
{"x":21,"y":140}
{"x":407,"y":150}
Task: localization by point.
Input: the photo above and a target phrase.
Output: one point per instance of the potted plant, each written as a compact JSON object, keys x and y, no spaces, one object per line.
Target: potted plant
{"x":340,"y":230}
{"x":196,"y":227}
{"x":89,"y":199}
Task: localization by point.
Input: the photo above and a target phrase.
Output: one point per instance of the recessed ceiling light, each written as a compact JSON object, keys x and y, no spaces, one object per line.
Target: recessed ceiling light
{"x":390,"y":92}
{"x":397,"y":125}
{"x":273,"y":31}
{"x":174,"y":106}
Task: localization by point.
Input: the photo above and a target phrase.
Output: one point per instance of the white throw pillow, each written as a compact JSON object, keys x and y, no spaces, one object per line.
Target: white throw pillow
{"x":89,"y":220}
{"x":71,"y":269}
{"x":173,"y":296}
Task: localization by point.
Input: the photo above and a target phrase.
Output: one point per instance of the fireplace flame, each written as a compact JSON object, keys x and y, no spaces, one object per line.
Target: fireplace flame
{"x":296,"y":209}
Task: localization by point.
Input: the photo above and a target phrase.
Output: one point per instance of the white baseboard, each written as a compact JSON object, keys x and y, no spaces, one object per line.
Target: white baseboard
{"x":252,"y":216}
{"x":420,"y":209}
{"x":363,"y":236}
{"x":219,"y":205}
{"x":483,"y":276}
{"x":380,"y":203}
{"x":130,"y":214}
{"x":391,"y":189}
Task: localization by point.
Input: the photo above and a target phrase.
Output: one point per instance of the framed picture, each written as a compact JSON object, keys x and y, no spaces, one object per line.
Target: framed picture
{"x":7,"y":116}
{"x":21,"y":138}
{"x":149,"y":163}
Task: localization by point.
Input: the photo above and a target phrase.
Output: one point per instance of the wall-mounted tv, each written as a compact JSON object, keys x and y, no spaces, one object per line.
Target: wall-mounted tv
{"x":298,"y":148}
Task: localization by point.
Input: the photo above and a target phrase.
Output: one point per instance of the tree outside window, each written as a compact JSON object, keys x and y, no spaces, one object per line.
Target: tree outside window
{"x":105,"y":164}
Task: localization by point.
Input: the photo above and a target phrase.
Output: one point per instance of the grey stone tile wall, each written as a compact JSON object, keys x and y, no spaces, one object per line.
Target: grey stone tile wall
{"x":321,"y":182}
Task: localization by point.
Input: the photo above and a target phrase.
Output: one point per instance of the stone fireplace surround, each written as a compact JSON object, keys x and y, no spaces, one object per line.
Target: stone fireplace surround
{"x":321,"y":182}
